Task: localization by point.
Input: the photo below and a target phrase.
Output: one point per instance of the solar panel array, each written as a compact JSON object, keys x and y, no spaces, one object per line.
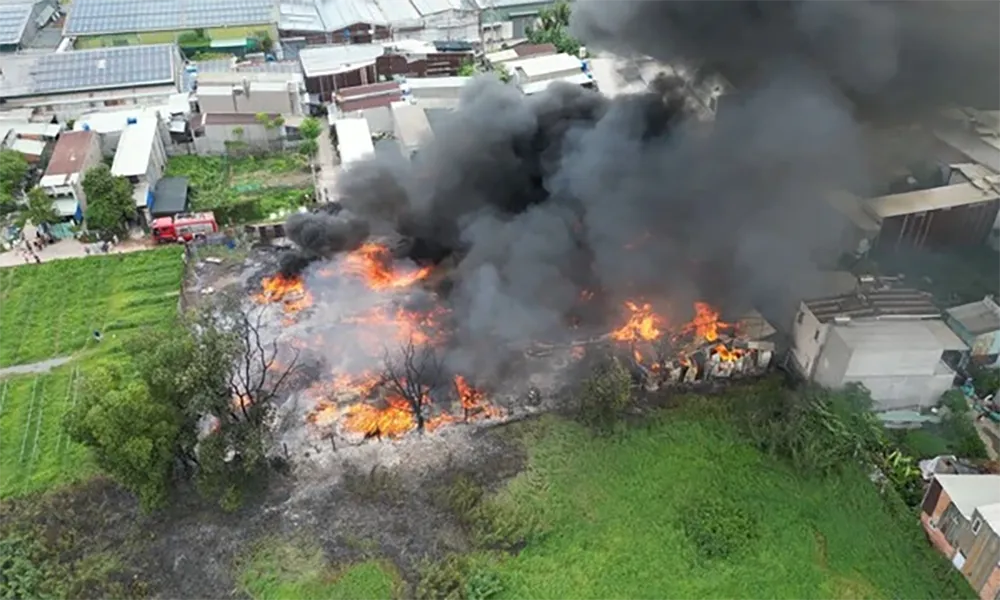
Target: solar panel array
{"x":62,"y":72}
{"x":99,"y":17}
{"x":13,"y":17}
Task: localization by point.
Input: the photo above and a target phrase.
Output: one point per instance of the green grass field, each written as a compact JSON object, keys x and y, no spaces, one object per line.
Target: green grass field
{"x":51,"y":310}
{"x":614,"y":512}
{"x":281,"y":570}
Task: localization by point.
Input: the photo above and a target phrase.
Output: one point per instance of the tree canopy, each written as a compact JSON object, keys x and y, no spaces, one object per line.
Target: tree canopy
{"x":109,"y":201}
{"x":39,"y":209}
{"x":13,"y":168}
{"x":553,"y":28}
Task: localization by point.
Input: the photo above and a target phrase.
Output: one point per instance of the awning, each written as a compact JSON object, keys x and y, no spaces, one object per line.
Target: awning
{"x":170,"y":197}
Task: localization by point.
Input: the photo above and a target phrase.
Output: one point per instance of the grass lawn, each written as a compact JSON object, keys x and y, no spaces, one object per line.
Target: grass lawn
{"x":51,"y":310}
{"x":613,"y":513}
{"x":245,"y":189}
{"x":281,"y":570}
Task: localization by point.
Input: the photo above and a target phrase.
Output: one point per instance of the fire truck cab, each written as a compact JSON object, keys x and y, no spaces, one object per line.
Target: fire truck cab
{"x":183,"y":227}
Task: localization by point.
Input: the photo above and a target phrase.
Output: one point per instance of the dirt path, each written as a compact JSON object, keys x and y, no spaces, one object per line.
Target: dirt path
{"x":42,"y":366}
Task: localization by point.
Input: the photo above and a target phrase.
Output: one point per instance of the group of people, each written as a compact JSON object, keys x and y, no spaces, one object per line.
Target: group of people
{"x":29,"y":247}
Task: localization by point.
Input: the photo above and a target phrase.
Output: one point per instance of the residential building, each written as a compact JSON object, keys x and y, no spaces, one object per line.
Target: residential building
{"x":961,"y":515}
{"x":68,"y":84}
{"x":370,"y":102}
{"x":519,"y":52}
{"x":330,"y":69}
{"x":30,"y":139}
{"x":221,"y":133}
{"x":974,"y":133}
{"x":353,"y":140}
{"x":411,"y":127}
{"x":20,"y":20}
{"x":235,"y":91}
{"x":75,"y":153}
{"x":891,"y":340}
{"x":103,"y":22}
{"x":435,"y":92}
{"x":535,"y":74}
{"x":110,"y":124}
{"x":141,"y":158}
{"x":366,"y":21}
{"x":978,"y":325}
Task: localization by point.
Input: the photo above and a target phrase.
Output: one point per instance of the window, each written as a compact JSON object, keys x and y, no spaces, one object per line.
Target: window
{"x":950,"y":524}
{"x":799,"y":318}
{"x":976,"y":526}
{"x":816,"y":336}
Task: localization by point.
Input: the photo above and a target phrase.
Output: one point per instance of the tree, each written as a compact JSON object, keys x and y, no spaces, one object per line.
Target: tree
{"x":310,"y":128}
{"x":553,"y":29}
{"x":39,"y":208}
{"x":412,"y":376}
{"x":308,"y":147}
{"x":13,"y":168}
{"x":605,"y":394}
{"x":109,"y":201}
{"x":132,"y":436}
{"x":468,"y":69}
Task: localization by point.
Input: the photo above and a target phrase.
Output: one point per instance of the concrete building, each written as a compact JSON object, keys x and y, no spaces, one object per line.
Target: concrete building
{"x":30,"y":139}
{"x":246,"y":92}
{"x":891,"y":340}
{"x":110,"y":124}
{"x":222,"y":133}
{"x":74,"y":154}
{"x":520,"y":51}
{"x":370,"y":102}
{"x":961,"y":516}
{"x":535,"y":74}
{"x":411,"y":127}
{"x":20,"y":20}
{"x":353,"y":140}
{"x":978,"y":325}
{"x":435,"y":92}
{"x":68,"y":84}
{"x":141,"y":158}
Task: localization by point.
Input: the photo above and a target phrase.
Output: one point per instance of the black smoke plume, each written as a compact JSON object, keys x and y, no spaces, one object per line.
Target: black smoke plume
{"x":537,"y":199}
{"x":321,"y":234}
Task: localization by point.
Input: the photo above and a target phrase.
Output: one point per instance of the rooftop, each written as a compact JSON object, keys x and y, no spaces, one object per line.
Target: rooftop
{"x":969,"y":492}
{"x":354,"y":140}
{"x":227,"y":119}
{"x":87,"y":70}
{"x":101,"y":17}
{"x":14,"y":19}
{"x":170,"y":196}
{"x":135,"y":148}
{"x":69,"y":153}
{"x":426,"y":83}
{"x":110,"y":121}
{"x":336,"y":15}
{"x":938,"y":198}
{"x":977,"y":317}
{"x":884,"y":303}
{"x":899,"y":337}
{"x":540,"y":66}
{"x":329,"y":60}
{"x":412,"y":126}
{"x":536,"y":87}
{"x":991,"y":514}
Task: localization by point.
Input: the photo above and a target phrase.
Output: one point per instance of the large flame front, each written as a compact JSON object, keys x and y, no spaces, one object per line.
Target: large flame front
{"x":705,"y":324}
{"x":392,"y":421}
{"x":289,"y":291}
{"x":643,"y":324}
{"x":373,"y":263}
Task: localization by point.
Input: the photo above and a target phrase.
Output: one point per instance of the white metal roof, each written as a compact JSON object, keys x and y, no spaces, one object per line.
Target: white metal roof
{"x":429,"y":83}
{"x":536,"y":87}
{"x":948,"y":196}
{"x":896,"y":336}
{"x":48,"y":130}
{"x":135,"y":148}
{"x":991,"y":514}
{"x":336,"y":15}
{"x":354,"y":140}
{"x":978,"y":317}
{"x":59,"y":180}
{"x":411,"y":122}
{"x":502,"y":56}
{"x":969,"y":492}
{"x":117,"y":120}
{"x":328,"y":60}
{"x":948,"y":339}
{"x":29,"y":147}
{"x":540,"y":66}
{"x":65,"y":207}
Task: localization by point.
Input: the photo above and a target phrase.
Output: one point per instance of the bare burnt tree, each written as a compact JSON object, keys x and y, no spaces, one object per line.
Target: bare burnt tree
{"x":412,"y":375}
{"x":257,"y":377}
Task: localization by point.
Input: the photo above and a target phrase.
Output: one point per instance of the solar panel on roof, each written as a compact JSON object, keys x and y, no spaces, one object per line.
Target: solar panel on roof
{"x":110,"y":67}
{"x":13,"y":18}
{"x":96,"y":17}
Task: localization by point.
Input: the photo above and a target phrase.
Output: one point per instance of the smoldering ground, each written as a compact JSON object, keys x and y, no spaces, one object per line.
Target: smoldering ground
{"x":894,"y":59}
{"x":547,"y":196}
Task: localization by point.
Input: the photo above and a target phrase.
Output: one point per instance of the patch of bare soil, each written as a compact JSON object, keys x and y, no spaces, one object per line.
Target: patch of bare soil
{"x":355,"y":509}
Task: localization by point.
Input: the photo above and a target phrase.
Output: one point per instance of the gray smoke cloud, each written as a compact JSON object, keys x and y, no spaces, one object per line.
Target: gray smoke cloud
{"x":537,"y":199}
{"x":894,"y":57}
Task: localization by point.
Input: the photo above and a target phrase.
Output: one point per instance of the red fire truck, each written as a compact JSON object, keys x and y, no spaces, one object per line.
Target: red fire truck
{"x":184,"y":227}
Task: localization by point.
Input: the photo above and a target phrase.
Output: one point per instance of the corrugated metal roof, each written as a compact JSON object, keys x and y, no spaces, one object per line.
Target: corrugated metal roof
{"x":412,"y":126}
{"x":977,"y":317}
{"x":29,"y":147}
{"x":969,"y":492}
{"x":944,"y":335}
{"x":852,"y":207}
{"x":991,"y":514}
{"x":69,"y":153}
{"x":874,"y":304}
{"x":135,"y":148}
{"x":354,"y":140}
{"x":947,"y":196}
{"x":888,"y":336}
{"x":540,"y":66}
{"x":328,"y":60}
{"x":337,"y":15}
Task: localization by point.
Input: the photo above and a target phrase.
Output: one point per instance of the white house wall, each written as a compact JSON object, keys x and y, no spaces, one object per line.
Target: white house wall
{"x":807,"y":344}
{"x":895,"y":392}
{"x":830,"y":367}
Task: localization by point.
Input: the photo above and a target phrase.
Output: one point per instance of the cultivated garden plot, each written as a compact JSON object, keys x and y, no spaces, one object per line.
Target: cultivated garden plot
{"x":245,"y":189}
{"x":52,"y":310}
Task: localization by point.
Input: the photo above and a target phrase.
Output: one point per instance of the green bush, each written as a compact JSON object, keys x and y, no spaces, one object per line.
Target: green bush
{"x":446,"y":579}
{"x":955,"y":401}
{"x":719,"y":528}
{"x":488,"y":522}
{"x":920,"y":443}
{"x":483,"y":585}
{"x":22,"y":573}
{"x":605,"y":395}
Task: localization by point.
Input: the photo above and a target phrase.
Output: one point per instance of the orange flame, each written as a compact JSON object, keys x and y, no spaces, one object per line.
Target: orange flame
{"x":290,"y":291}
{"x":706,"y":323}
{"x":373,"y":263}
{"x":392,"y":421}
{"x":643,"y":324}
{"x":727,"y":355}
